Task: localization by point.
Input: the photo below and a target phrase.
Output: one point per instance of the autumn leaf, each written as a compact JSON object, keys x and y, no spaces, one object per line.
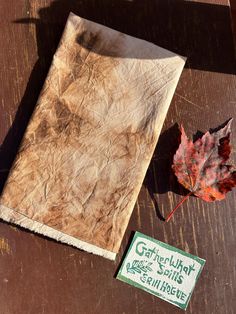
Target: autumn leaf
{"x":201,"y":166}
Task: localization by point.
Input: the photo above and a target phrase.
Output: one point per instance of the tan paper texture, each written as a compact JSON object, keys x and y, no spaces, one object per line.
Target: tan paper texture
{"x":88,"y":145}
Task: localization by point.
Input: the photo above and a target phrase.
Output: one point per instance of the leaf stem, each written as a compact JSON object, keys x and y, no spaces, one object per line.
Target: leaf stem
{"x":178,"y":205}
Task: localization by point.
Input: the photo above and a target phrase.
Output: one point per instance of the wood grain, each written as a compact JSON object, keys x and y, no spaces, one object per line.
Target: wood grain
{"x":41,"y":276}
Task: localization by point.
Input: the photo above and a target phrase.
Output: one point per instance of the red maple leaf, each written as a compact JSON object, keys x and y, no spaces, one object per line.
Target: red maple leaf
{"x":201,"y":166}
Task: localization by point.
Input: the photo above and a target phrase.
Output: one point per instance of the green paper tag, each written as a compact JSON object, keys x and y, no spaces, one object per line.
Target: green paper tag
{"x":161,"y":269}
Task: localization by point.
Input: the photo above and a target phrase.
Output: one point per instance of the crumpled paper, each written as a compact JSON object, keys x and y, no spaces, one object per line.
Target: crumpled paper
{"x":88,"y":145}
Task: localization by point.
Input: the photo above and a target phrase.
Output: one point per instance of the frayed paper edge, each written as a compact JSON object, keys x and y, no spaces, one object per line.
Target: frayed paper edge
{"x":7,"y":214}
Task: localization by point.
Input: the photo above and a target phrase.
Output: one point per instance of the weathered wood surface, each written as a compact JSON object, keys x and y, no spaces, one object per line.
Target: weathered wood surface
{"x":38,"y":275}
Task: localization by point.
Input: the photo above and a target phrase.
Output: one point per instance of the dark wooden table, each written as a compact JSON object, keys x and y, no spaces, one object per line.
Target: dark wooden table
{"x":38,"y":275}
